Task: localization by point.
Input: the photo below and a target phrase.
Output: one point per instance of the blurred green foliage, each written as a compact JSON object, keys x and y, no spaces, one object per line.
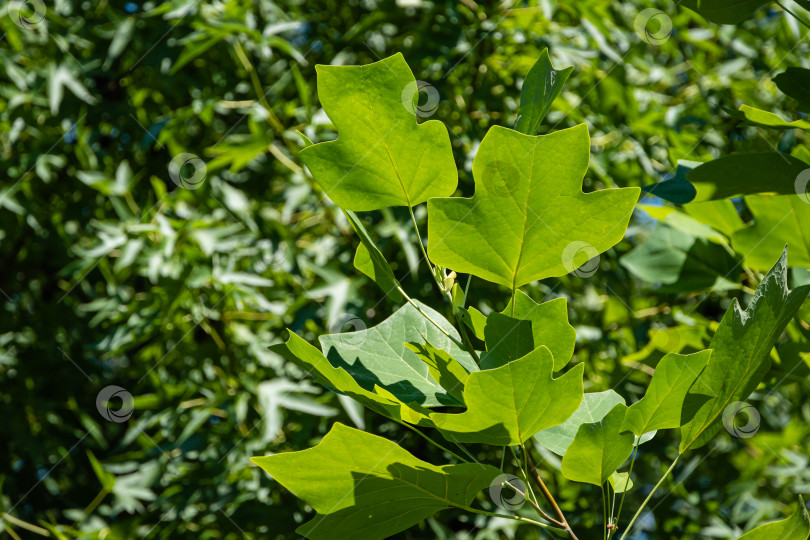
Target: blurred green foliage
{"x":157,"y":232}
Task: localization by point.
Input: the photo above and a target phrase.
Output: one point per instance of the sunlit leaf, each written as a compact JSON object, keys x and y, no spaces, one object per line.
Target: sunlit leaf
{"x":598,"y":449}
{"x":529,"y":214}
{"x":661,"y":406}
{"x":366,"y":486}
{"x":594,"y":407}
{"x":382,"y":156}
{"x":740,"y":359}
{"x":620,"y":482}
{"x":550,"y":326}
{"x":766,"y":119}
{"x":509,"y":404}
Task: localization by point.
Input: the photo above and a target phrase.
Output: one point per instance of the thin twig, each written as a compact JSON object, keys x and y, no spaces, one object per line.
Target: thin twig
{"x":506,"y":516}
{"x":536,"y":506}
{"x":550,"y":498}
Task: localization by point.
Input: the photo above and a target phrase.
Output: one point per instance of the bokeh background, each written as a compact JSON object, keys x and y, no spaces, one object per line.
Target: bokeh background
{"x":158,"y":232}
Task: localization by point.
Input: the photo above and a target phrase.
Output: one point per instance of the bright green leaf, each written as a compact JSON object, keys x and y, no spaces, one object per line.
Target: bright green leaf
{"x":475,"y":321}
{"x":594,"y":407}
{"x":550,"y":326}
{"x":660,"y":408}
{"x":366,"y":486}
{"x":529,"y":218}
{"x":382,"y":157}
{"x":509,"y":404}
{"x":620,"y":482}
{"x":766,"y":119}
{"x":507,"y":339}
{"x":541,"y":87}
{"x":740,"y":359}
{"x":598,"y":449}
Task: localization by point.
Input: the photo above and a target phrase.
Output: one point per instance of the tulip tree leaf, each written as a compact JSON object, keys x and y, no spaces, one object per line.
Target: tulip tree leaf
{"x":529,"y":218}
{"x":660,"y":408}
{"x":777,"y":221}
{"x":507,"y":339}
{"x":550,"y":326}
{"x":475,"y":321}
{"x":746,"y":174}
{"x":445,"y":369}
{"x":515,"y":332}
{"x":739,"y":360}
{"x":311,"y":360}
{"x":382,"y":156}
{"x":794,"y":82}
{"x":509,"y":404}
{"x":594,"y":407}
{"x":598,"y":449}
{"x":795,"y":527}
{"x":365,"y":486}
{"x":541,"y":87}
{"x":370,"y":261}
{"x":378,"y":355}
{"x":725,"y":11}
